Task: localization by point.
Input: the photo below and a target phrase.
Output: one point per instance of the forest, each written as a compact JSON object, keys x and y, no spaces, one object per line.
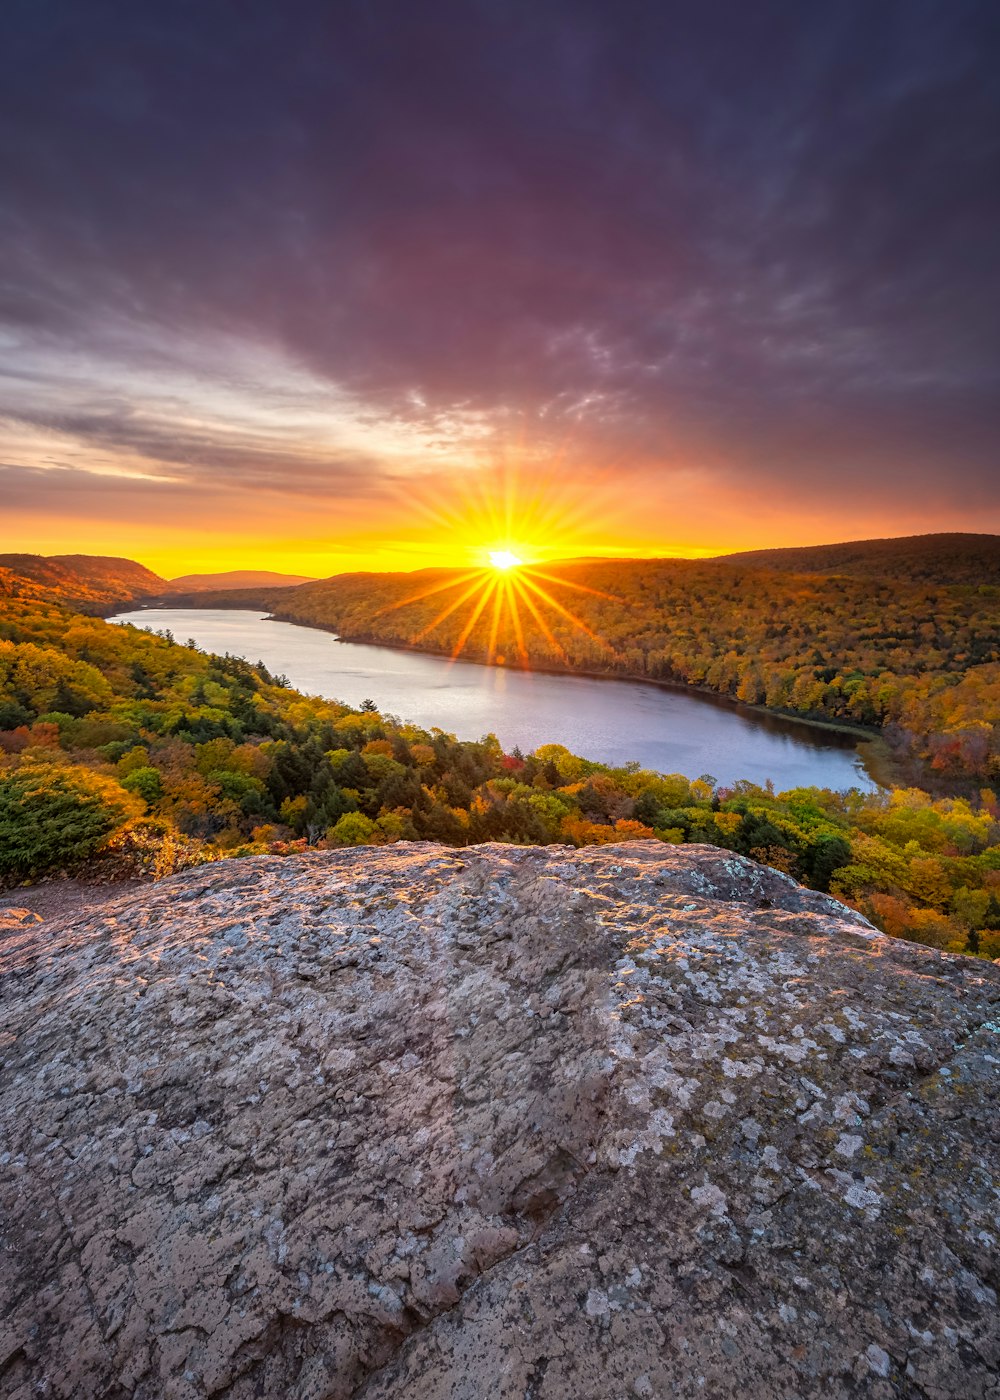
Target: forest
{"x":906,"y":654}
{"x":128,"y":754}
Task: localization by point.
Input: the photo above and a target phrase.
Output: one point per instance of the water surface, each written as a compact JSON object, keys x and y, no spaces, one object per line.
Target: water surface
{"x":611,"y":721}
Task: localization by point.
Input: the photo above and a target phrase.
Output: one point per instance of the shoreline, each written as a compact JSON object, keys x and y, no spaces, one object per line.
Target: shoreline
{"x":876,"y":757}
{"x":883,"y":768}
{"x":858,"y":732}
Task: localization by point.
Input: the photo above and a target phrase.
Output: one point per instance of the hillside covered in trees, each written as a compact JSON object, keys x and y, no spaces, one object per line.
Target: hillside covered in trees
{"x":124,"y":753}
{"x":900,"y":636}
{"x":954,"y":558}
{"x":92,"y":583}
{"x":886,"y":650}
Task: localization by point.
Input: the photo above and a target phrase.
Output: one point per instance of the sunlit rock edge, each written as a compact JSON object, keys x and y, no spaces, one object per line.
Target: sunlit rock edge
{"x":413,"y":1121}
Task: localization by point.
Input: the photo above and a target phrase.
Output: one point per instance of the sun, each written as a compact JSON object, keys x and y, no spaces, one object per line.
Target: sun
{"x":504,"y":559}
{"x":502,"y":598}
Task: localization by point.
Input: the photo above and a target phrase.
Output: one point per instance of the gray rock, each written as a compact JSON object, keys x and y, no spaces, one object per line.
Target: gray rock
{"x":628,"y":1121}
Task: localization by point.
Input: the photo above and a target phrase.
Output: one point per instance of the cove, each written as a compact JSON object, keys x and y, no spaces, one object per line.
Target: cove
{"x":608,"y":720}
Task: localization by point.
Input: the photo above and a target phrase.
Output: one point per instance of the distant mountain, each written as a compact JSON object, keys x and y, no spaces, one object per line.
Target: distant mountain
{"x":956,"y":558}
{"x":235,"y":578}
{"x":90,"y":582}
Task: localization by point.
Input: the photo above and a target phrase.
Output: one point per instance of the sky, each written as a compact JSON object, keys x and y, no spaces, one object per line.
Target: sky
{"x":319,"y":286}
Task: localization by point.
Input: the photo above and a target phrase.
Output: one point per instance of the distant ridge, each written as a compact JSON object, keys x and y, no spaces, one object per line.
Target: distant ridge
{"x":236,"y":578}
{"x":92,"y":582}
{"x":944,"y":558}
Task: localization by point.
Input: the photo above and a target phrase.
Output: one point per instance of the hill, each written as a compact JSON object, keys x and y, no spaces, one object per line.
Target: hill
{"x":908,"y":643}
{"x":235,"y":578}
{"x":956,"y":558}
{"x":386,"y":1123}
{"x":915,"y":657}
{"x":91,"y":582}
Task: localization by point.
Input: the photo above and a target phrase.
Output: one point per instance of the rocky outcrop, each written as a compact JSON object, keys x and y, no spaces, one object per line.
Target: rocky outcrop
{"x":637,"y":1121}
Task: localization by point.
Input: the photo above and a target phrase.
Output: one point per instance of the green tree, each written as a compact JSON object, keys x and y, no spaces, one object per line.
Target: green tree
{"x":353,"y":829}
{"x":55,"y":817}
{"x":145,"y":783}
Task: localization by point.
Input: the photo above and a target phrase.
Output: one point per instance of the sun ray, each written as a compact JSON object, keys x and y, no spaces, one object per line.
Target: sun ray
{"x":530,"y":605}
{"x":452,"y":607}
{"x":511,"y":596}
{"x":473,"y":618}
{"x":580,"y":587}
{"x":429,"y":592}
{"x":571,"y":617}
{"x":509,"y":499}
{"x":498,"y":602}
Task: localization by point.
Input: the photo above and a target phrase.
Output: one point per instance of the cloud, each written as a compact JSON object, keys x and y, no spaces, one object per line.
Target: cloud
{"x":274,"y":249}
{"x":175,"y":454}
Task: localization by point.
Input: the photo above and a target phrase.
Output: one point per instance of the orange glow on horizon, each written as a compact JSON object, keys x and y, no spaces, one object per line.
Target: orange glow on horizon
{"x":547,"y":521}
{"x":508,"y":511}
{"x":480,"y":490}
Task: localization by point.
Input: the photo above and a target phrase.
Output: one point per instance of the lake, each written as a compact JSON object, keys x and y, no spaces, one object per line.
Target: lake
{"x":610,"y":721}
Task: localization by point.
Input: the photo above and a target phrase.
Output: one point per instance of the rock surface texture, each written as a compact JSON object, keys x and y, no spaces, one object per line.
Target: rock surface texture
{"x":636,"y":1121}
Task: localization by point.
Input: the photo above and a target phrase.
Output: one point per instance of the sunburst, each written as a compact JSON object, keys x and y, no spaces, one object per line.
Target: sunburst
{"x":499,"y":592}
{"x":505,"y":559}
{"x":510,"y":521}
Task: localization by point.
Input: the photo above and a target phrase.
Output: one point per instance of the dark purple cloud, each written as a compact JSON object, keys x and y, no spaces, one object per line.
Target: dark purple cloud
{"x":765,"y":236}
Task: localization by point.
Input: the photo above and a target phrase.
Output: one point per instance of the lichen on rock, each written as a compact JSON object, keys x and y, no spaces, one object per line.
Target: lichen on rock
{"x":411,"y":1121}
